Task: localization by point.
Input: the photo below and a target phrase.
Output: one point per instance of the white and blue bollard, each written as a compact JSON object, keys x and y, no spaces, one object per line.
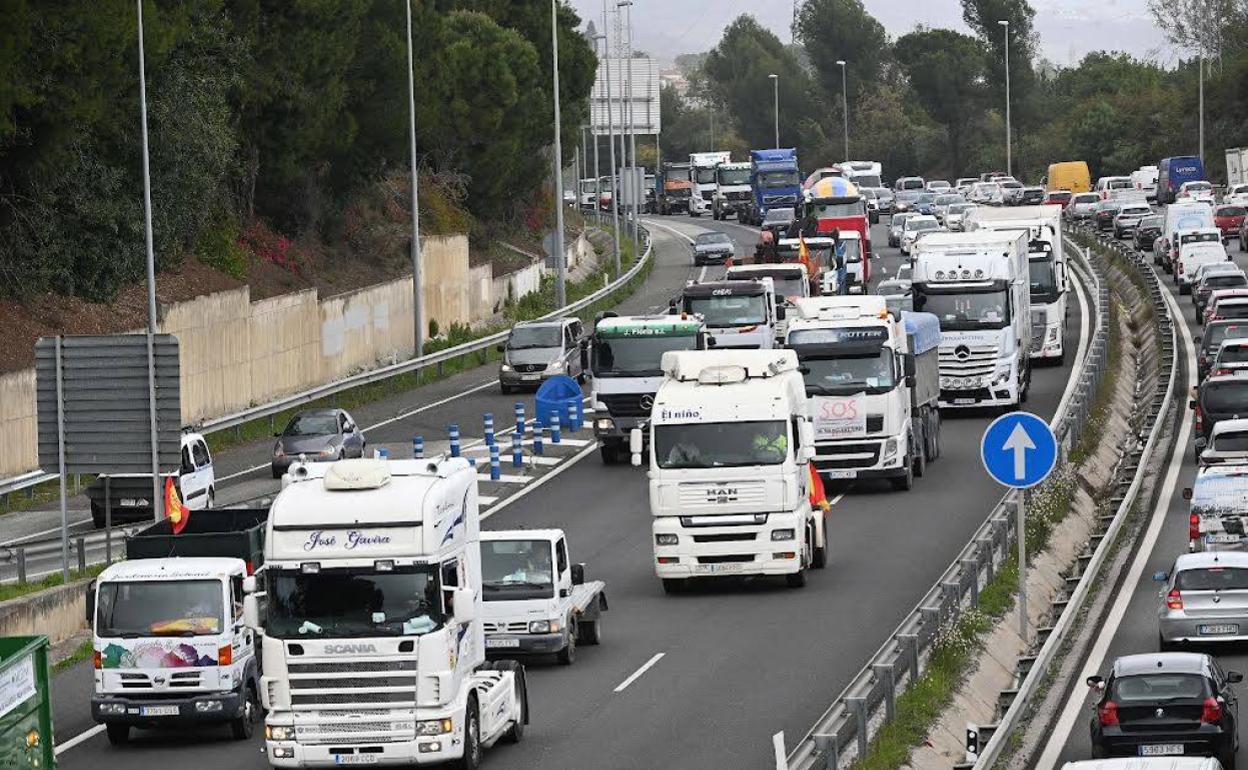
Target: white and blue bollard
{"x":537,"y":438}
{"x":554,"y":428}
{"x":517,"y":450}
{"x":520,"y":417}
{"x":496,"y":467}
{"x":453,"y":433}
{"x":418,"y":447}
{"x":381,"y":453}
{"x":574,"y":422}
{"x":489,"y":429}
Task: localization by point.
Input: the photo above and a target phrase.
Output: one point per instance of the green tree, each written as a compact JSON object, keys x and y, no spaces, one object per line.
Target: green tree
{"x":946,"y":72}
{"x":832,"y":30}
{"x":984,"y":17}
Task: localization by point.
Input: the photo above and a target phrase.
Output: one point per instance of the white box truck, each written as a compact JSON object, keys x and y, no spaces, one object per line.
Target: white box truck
{"x":702,"y":167}
{"x":1236,"y":165}
{"x":873,"y":382}
{"x":731,"y":442}
{"x":738,"y":314}
{"x":373,"y":642}
{"x":976,"y":285}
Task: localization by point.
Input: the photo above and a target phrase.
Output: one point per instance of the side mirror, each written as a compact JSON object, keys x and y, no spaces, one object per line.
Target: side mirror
{"x":908,"y":366}
{"x":780,"y":312}
{"x":1198,"y":337}
{"x":578,"y":574}
{"x":1234,"y":677}
{"x":1096,"y":682}
{"x":90,"y":602}
{"x":1191,"y":404}
{"x":251,"y":611}
{"x":806,"y":433}
{"x":249,"y":585}
{"x":635,"y":445}
{"x":910,"y":381}
{"x":1161,"y":576}
{"x":465,"y":600}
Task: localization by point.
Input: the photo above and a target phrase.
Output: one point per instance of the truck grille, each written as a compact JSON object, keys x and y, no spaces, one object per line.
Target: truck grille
{"x":1037,"y":336}
{"x":728,"y":537}
{"x":177,"y":680}
{"x":707,"y":495}
{"x":739,"y":195}
{"x":626,"y":404}
{"x":777,"y":200}
{"x":728,"y":558}
{"x":377,"y":683}
{"x":968,"y":361}
{"x":706,"y":195}
{"x":519,"y":627}
{"x":829,"y":457}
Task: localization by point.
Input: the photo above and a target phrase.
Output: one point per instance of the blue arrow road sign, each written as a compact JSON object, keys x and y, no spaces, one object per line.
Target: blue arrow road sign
{"x":1019,"y":450}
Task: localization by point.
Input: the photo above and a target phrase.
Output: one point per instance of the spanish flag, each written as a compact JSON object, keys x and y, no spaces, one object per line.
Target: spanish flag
{"x":818,"y":498}
{"x":803,"y":254}
{"x":177,"y":513}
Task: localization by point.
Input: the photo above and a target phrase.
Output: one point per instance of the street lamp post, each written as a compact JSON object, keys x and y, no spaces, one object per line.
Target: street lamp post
{"x":615,"y":188}
{"x":1009,"y":169}
{"x":418,"y":300}
{"x":775,"y":88}
{"x":1202,"y":107}
{"x":560,"y":256}
{"x":844,"y":106}
{"x":632,"y":126}
{"x":594,"y":133}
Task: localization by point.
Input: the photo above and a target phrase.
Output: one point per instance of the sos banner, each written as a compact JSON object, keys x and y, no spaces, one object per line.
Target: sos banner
{"x":839,"y":417}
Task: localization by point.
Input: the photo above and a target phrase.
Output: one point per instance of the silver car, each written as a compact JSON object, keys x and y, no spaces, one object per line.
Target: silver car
{"x":712,"y":247}
{"x":1082,"y":206}
{"x":955,"y":216}
{"x":1204,"y":598}
{"x":895,"y":226}
{"x":317,"y":435}
{"x":1228,"y":443}
{"x":1128,"y":218}
{"x":537,"y":350}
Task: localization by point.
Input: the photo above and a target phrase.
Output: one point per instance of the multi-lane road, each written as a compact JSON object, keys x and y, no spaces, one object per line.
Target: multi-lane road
{"x":699,"y":680}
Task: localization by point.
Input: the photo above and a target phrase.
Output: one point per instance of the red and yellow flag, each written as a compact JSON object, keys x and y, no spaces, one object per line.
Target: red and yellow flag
{"x":818,"y":497}
{"x":177,"y":513}
{"x":803,"y":254}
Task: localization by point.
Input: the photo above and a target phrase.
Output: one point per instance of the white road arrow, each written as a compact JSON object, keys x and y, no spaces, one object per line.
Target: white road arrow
{"x":1019,"y":442}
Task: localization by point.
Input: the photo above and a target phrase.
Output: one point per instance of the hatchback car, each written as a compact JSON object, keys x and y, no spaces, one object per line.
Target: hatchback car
{"x":1082,"y":206}
{"x":1228,"y":443}
{"x":895,"y":225}
{"x":939,"y":185}
{"x":777,"y":220}
{"x":1226,"y":303}
{"x":537,"y":350}
{"x":1231,"y":358}
{"x":1147,"y":231}
{"x":714,"y":247}
{"x":1011,"y":192}
{"x":1212,"y":277}
{"x":1230,"y":220}
{"x":987,"y":193}
{"x":1204,"y":598}
{"x":909,"y":183}
{"x":926,"y":203}
{"x":1166,"y":704}
{"x":1057,"y":198}
{"x":1196,"y":191}
{"x":1103,"y":216}
{"x":1128,"y":217}
{"x":317,"y":435}
{"x":1211,"y":341}
{"x":955,"y":216}
{"x":884,"y":199}
{"x":1219,"y":397}
{"x":903,"y":200}
{"x":943,"y":202}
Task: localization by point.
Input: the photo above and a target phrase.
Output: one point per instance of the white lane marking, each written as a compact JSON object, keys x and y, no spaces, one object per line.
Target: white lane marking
{"x":1074,"y":707}
{"x":702,"y":275}
{"x":633,"y":677}
{"x":505,"y":478}
{"x":1084,"y":326}
{"x":77,"y":739}
{"x":586,"y":452}
{"x":486,"y":500}
{"x":777,"y":744}
{"x":672,"y":230}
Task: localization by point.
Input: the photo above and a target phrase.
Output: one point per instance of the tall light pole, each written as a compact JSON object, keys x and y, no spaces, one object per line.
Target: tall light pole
{"x":560,"y":256}
{"x":844,"y":106}
{"x":1009,"y":160}
{"x":632,"y":127}
{"x":775,"y":87}
{"x":418,"y":299}
{"x":615,"y":192}
{"x":594,"y":133}
{"x":1202,"y":107}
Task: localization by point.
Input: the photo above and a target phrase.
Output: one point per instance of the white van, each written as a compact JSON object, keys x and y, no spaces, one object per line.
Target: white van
{"x":1146,"y":763}
{"x":1196,"y":248}
{"x":1184,"y":217}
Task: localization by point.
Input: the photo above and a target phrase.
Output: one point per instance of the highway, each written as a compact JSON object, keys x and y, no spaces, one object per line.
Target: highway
{"x":1131,"y":626}
{"x":734,"y":661}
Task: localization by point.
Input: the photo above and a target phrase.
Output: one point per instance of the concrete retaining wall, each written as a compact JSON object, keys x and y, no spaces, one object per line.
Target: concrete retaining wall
{"x":57,"y":613}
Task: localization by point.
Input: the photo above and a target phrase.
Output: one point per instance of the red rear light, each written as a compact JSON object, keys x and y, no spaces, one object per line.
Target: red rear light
{"x":97,"y":660}
{"x":251,"y":570}
{"x":1200,"y":418}
{"x":1193,"y":533}
{"x":1108,"y":713}
{"x":1211,"y":714}
{"x":1174,"y":599}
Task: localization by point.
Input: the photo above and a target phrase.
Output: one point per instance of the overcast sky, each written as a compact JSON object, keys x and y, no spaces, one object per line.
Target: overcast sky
{"x":1068,"y":28}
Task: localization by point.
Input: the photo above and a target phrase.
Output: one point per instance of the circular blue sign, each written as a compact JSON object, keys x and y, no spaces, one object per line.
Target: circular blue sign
{"x":1019,"y":450}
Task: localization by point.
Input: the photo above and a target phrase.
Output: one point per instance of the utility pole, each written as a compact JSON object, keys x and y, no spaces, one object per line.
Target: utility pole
{"x":845,"y":106}
{"x":560,"y":255}
{"x":594,"y":133}
{"x":632,"y":129}
{"x":1009,"y":165}
{"x":418,"y":299}
{"x":775,"y":83}
{"x":615,"y":187}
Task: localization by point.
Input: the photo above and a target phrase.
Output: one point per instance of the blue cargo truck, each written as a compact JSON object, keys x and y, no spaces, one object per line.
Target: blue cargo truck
{"x":1173,"y":172}
{"x":775,"y":180}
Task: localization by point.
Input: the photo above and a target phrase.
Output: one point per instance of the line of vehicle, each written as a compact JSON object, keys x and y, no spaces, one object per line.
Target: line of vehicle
{"x":633,"y":677}
{"x":1096,"y":657}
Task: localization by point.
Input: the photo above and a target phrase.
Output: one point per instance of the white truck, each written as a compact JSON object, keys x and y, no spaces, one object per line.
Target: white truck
{"x":731,"y":442}
{"x":790,"y":282}
{"x":625,"y":362}
{"x":1236,"y":166}
{"x":738,"y":314}
{"x":873,"y":383}
{"x":863,"y":173}
{"x":733,"y":193}
{"x":1048,"y":268}
{"x":537,"y":602}
{"x":702,"y":170}
{"x":976,"y":285}
{"x":373,"y":644}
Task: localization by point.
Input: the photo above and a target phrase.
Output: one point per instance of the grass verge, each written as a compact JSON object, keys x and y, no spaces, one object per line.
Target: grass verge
{"x":17,"y":590}
{"x":80,"y":653}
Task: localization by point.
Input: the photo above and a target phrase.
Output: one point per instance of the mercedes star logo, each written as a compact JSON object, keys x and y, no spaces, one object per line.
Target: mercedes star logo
{"x":962,"y":352}
{"x":1159,"y":713}
{"x":647,"y":402}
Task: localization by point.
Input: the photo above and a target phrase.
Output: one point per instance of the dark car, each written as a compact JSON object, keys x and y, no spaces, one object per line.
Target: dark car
{"x":317,"y":435}
{"x":1220,"y":397}
{"x":1229,"y":218}
{"x":1228,"y":277}
{"x":1211,"y":340}
{"x":712,"y":247}
{"x":1103,"y":216}
{"x":777,"y":220}
{"x":1058,"y":198}
{"x":1166,"y":704}
{"x":1148,"y":231}
{"x":926,"y":203}
{"x":904,"y":200}
{"x":1032,"y":196}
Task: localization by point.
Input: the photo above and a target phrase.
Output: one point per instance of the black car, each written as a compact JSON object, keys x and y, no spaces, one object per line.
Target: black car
{"x":1211,"y":340}
{"x":1166,"y":704}
{"x":1104,"y":215}
{"x":1148,"y":231}
{"x":1220,"y":397}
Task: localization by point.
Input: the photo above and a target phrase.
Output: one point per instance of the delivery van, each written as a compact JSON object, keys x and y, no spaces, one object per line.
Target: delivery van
{"x":1070,"y":175}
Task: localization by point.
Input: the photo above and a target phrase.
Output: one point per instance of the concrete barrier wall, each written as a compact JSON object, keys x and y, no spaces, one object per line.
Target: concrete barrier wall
{"x":365,"y":327}
{"x":57,"y":613}
{"x":19,"y":450}
{"x":214,"y":354}
{"x":285,"y":344}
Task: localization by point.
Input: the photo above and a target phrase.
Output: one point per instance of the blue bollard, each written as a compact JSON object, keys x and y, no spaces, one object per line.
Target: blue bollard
{"x":517,"y":450}
{"x":538,"y":430}
{"x":453,"y":433}
{"x":520,"y":417}
{"x":574,"y":423}
{"x":418,"y":447}
{"x":554,"y":428}
{"x":489,"y":429}
{"x":472,"y":461}
{"x":381,"y":453}
{"x":496,"y":467}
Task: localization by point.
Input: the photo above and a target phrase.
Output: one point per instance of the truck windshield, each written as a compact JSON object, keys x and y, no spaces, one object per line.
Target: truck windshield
{"x":834,"y":210}
{"x":159,"y":608}
{"x":516,"y":569}
{"x":787,"y":283}
{"x":843,"y":375}
{"x":353,"y":602}
{"x":736,"y":176}
{"x":723,"y":312}
{"x":967,"y":310}
{"x":1043,"y":280}
{"x":769,"y":180}
{"x":721,"y":444}
{"x":866,"y":180}
{"x":706,"y":176}
{"x":636,"y":356}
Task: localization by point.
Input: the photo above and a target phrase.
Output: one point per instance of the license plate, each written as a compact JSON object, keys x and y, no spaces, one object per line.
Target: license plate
{"x":715,"y":569}
{"x":1219,"y":629}
{"x":131,"y":502}
{"x":356,"y":759}
{"x":963,"y":401}
{"x":501,"y":643}
{"x":158,"y":711}
{"x":1161,"y":749}
{"x":523,"y":377}
{"x":1222,"y":537}
{"x":842,"y":474}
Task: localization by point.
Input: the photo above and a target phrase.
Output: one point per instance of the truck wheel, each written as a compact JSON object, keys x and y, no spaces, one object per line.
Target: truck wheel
{"x":567,"y":656}
{"x":920,"y":460}
{"x":471,"y":758}
{"x":796,"y":579}
{"x":906,"y":482}
{"x":242,"y":727}
{"x":610,"y":454}
{"x":819,"y":558}
{"x":590,"y":631}
{"x":673,"y":586}
{"x":118,"y":734}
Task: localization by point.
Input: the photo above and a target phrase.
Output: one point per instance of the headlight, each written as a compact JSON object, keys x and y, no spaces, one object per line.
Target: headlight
{"x":279,"y":733}
{"x":890,"y":447}
{"x":1000,"y":376}
{"x":279,"y":449}
{"x":604,"y":423}
{"x":666,"y":538}
{"x":505,"y":368}
{"x":207,"y":706}
{"x":543,"y":626}
{"x":556,"y":366}
{"x":112,"y":708}
{"x":329,"y":450}
{"x":434,"y":726}
{"x":782,"y":534}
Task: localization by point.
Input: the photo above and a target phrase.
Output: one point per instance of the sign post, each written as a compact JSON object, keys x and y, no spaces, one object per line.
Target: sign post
{"x":1019,"y":451}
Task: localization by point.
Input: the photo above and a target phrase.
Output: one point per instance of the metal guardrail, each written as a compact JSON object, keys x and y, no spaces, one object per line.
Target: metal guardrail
{"x":1061,"y":627}
{"x":26,"y":480}
{"x":856,"y":715}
